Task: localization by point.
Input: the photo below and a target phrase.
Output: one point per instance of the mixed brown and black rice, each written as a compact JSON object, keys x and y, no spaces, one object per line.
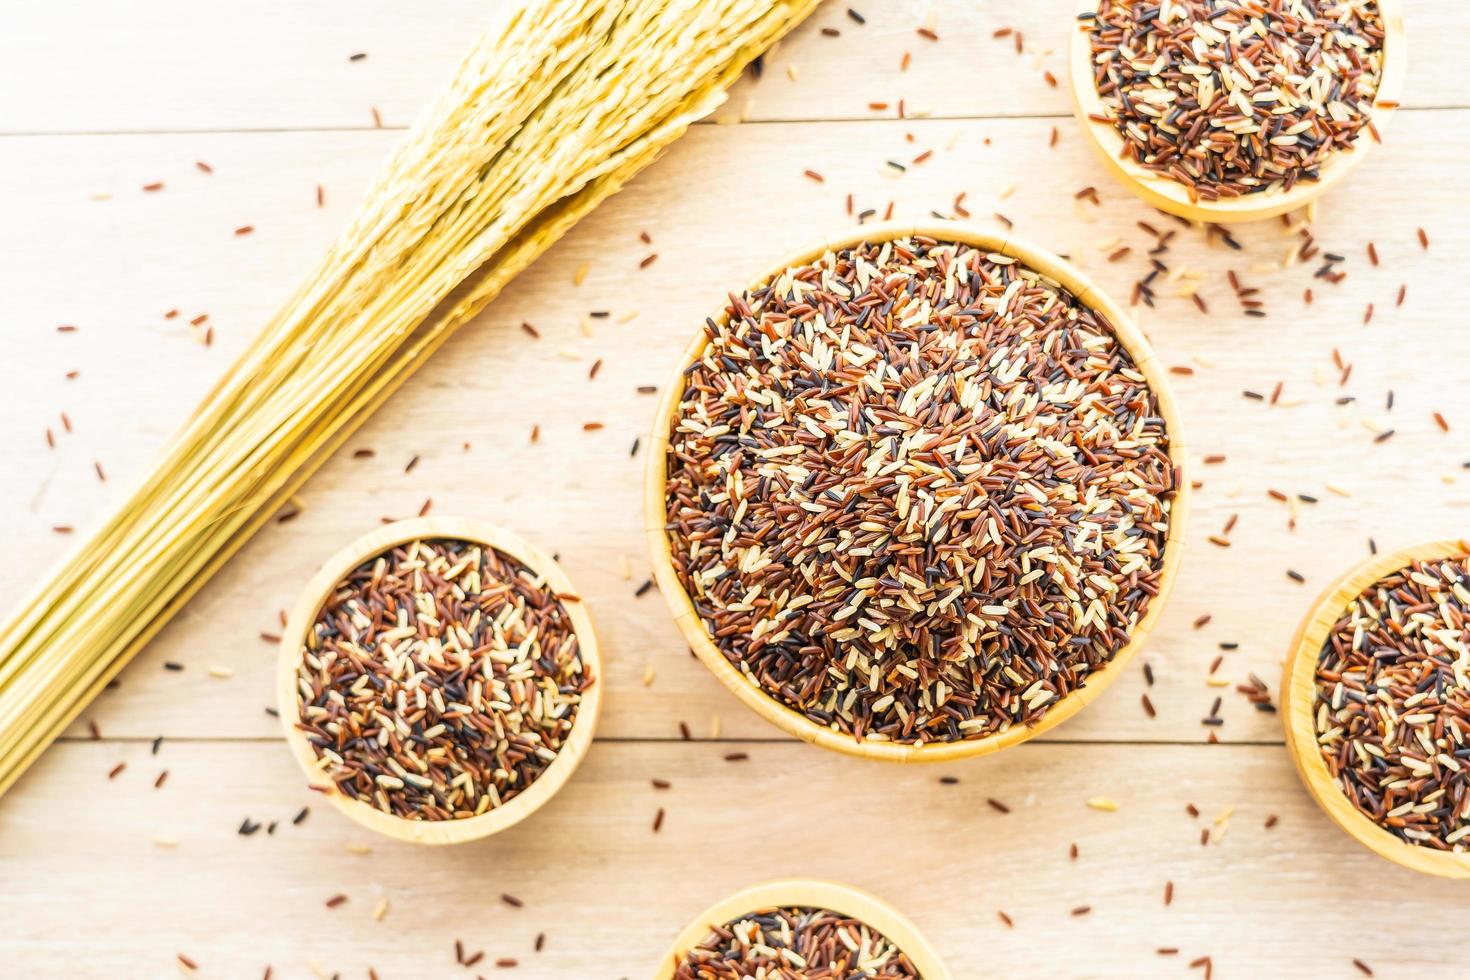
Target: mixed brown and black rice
{"x":795,"y":944}
{"x":1392,"y":708}
{"x":916,"y":491}
{"x":439,"y":680}
{"x":1233,"y":97}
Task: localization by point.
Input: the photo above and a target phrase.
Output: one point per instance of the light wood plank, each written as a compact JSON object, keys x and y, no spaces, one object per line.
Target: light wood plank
{"x":725,"y":200}
{"x":1296,"y":900}
{"x":273,"y":64}
{"x":88,"y":893}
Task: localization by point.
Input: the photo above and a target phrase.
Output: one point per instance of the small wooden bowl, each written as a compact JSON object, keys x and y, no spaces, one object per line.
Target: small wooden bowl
{"x":1169,"y":195}
{"x":807,"y":893}
{"x":794,"y":722}
{"x":1298,"y":702}
{"x":303,"y":617}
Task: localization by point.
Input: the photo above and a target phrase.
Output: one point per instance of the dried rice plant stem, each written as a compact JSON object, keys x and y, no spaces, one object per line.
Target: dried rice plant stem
{"x":555,"y":108}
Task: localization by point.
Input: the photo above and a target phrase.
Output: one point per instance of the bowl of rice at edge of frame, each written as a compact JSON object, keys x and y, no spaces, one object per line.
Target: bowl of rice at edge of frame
{"x":918,"y":958}
{"x":987,"y":684}
{"x":497,"y":660}
{"x":1339,"y":612}
{"x":1366,"y":118}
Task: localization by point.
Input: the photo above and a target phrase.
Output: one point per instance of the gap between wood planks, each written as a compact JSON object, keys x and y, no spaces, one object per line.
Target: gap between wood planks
{"x":634,"y":740}
{"x":707,"y":121}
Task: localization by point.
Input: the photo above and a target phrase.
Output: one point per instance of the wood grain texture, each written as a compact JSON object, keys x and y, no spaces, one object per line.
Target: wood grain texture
{"x":278,"y":64}
{"x":265,"y":95}
{"x":114,"y":268}
{"x":611,"y":895}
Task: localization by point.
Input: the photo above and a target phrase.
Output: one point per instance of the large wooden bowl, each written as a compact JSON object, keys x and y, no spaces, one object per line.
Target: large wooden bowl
{"x":303,"y":617}
{"x":794,"y":722}
{"x":1169,"y":195}
{"x":1298,"y":703}
{"x":806,"y":893}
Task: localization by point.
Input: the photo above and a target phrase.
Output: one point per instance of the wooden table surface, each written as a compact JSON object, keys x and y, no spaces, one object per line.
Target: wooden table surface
{"x":113,"y":877}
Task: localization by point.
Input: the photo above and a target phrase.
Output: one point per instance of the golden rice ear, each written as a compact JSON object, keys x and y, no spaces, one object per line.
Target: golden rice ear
{"x":500,"y":167}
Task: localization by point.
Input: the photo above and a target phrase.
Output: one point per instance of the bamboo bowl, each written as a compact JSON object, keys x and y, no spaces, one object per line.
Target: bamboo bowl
{"x":303,"y":617}
{"x":794,"y":722}
{"x":802,"y":892}
{"x":1169,"y":195}
{"x":1298,"y":702}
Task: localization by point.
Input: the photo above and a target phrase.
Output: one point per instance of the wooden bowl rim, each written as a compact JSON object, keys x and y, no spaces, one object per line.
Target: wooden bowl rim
{"x":814,"y":893}
{"x":790,"y":720}
{"x":1298,"y":703}
{"x":303,"y":616}
{"x":1169,"y":195}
